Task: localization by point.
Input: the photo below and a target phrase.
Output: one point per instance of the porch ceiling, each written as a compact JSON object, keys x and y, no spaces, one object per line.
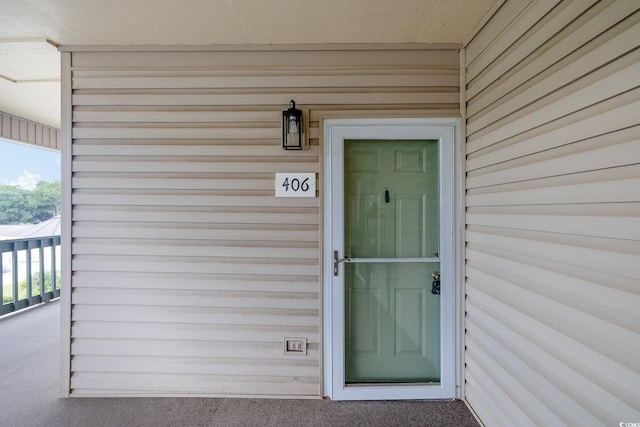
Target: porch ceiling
{"x":29,"y":30}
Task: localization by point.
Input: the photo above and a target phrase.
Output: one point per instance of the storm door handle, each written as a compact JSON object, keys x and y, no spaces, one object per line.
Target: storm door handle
{"x":336,"y":262}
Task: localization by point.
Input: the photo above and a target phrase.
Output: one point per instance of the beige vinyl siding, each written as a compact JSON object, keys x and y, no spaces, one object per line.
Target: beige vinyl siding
{"x":187,"y":272}
{"x":553,"y":214}
{"x":25,"y":131}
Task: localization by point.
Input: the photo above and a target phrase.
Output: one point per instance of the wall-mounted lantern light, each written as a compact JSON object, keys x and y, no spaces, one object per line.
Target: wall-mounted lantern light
{"x":292,"y":132}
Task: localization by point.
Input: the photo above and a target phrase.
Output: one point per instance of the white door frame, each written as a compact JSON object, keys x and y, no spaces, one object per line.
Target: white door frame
{"x":335,"y":131}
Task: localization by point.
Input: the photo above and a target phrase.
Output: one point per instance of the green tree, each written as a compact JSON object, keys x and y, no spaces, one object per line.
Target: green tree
{"x":44,"y":201}
{"x":20,"y":206}
{"x":14,"y":205}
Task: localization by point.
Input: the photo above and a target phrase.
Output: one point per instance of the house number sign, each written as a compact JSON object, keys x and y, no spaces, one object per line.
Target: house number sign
{"x":295,"y":185}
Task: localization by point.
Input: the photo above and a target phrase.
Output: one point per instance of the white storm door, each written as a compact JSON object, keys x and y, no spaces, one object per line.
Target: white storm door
{"x":390,"y":203}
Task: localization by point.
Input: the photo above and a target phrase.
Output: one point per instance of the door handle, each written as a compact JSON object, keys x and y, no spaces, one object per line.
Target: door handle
{"x":336,"y":261}
{"x":435,"y":285}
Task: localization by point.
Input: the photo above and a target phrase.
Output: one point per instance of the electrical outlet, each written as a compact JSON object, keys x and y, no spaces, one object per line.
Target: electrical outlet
{"x":297,"y":346}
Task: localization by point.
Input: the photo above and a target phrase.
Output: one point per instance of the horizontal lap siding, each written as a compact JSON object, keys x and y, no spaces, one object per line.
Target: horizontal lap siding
{"x":187,"y":271}
{"x":553,"y":214}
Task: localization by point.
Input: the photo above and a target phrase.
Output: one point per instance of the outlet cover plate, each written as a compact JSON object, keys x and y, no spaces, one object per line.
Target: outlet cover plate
{"x":295,"y":346}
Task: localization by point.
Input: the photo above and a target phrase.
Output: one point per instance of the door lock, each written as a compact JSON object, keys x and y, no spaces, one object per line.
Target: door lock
{"x":435,"y":285}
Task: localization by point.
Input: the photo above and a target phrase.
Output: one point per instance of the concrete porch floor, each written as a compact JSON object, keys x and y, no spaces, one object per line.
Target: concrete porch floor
{"x":29,"y":374}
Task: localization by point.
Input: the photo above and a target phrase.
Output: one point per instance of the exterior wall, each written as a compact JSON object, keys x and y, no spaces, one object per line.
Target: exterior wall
{"x":17,"y":129}
{"x":186,"y":271}
{"x":553,"y":214}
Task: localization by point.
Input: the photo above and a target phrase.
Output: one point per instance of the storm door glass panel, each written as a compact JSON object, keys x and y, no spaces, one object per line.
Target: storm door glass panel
{"x":392,"y":330}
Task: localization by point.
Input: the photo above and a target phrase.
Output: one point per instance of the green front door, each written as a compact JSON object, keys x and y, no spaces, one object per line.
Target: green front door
{"x":388,"y":226}
{"x":391,"y":245}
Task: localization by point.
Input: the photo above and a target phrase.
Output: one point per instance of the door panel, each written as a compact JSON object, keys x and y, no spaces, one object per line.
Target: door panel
{"x":391,"y":198}
{"x":392,"y":331}
{"x":412,"y":234}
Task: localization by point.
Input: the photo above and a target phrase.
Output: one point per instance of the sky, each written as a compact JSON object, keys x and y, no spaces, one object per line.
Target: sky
{"x":25,"y":165}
